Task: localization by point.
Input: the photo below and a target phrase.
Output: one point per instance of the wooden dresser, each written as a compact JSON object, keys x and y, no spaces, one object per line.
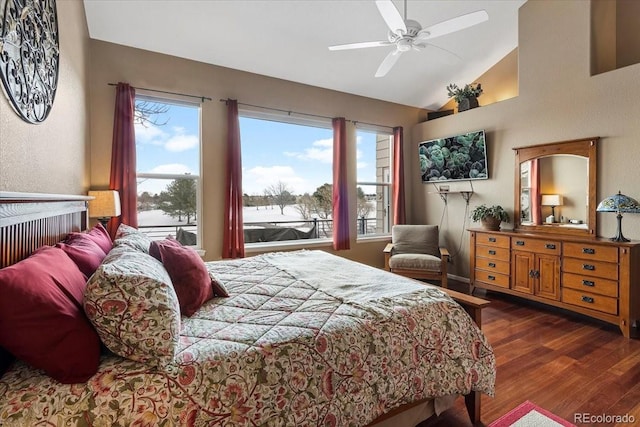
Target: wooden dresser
{"x":592,"y":276}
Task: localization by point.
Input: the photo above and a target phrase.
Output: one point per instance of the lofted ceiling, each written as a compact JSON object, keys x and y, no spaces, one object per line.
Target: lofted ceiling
{"x":289,"y":39}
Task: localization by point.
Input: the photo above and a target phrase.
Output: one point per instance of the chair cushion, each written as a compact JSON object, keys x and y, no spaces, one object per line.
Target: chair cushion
{"x":415,"y":262}
{"x":415,"y":239}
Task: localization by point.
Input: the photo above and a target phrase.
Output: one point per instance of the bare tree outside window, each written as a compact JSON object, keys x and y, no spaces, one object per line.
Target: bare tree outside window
{"x":280,"y":194}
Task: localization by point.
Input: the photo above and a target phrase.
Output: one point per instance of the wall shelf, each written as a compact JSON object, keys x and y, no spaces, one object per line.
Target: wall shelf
{"x":444,"y":194}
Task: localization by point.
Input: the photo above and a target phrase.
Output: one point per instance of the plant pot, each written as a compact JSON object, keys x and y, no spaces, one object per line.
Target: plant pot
{"x":468,"y":103}
{"x":491,"y":223}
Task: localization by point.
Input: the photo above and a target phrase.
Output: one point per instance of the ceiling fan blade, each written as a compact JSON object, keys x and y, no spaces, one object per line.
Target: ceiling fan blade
{"x":388,"y":62}
{"x":453,"y":25}
{"x":423,"y":45}
{"x":391,"y":16}
{"x":360,"y":45}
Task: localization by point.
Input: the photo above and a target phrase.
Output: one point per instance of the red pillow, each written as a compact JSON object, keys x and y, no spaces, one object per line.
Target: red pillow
{"x":98,"y":234}
{"x":41,"y":317}
{"x":188,"y":273}
{"x":85,"y":253}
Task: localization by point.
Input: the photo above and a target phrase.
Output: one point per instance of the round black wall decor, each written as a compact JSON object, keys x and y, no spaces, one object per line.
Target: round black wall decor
{"x":29,"y":56}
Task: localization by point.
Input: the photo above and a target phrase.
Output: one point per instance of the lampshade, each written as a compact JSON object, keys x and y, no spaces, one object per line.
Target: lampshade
{"x":619,"y":203}
{"x":551,"y":200}
{"x":106,"y":204}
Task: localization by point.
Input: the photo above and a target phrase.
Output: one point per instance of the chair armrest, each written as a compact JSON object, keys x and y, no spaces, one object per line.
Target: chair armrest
{"x":387,"y":254}
{"x":444,"y":252}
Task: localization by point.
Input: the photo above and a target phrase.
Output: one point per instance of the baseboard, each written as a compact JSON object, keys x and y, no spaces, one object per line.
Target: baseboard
{"x":458,"y":278}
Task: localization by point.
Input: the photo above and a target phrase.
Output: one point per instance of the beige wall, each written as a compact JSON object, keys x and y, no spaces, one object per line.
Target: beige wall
{"x":500,"y":82}
{"x":113,"y":63}
{"x":52,"y":157}
{"x":558,"y":100}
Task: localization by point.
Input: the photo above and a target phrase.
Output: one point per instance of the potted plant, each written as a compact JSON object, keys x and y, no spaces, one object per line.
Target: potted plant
{"x":466,"y":97}
{"x":491,"y":217}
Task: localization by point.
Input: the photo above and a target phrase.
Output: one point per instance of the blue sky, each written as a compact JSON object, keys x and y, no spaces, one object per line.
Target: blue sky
{"x":299,"y":156}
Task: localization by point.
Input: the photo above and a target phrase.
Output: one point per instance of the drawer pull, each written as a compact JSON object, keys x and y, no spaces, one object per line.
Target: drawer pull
{"x":550,"y":246}
{"x":587,"y":299}
{"x":588,"y":283}
{"x":589,"y":251}
{"x":492,"y":239}
{"x":491,"y":277}
{"x":589,"y":267}
{"x":492,"y":264}
{"x":492,"y":252}
{"x":519,"y":243}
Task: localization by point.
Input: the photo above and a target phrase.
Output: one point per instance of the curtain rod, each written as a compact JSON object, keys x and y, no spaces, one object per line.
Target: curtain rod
{"x":169,"y":93}
{"x":289,"y":112}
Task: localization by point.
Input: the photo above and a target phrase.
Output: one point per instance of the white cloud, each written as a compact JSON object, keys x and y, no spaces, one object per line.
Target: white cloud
{"x":174,"y":168}
{"x":150,"y":134}
{"x":181,"y":143}
{"x":176,"y":140}
{"x":257,"y":179}
{"x":321,"y":150}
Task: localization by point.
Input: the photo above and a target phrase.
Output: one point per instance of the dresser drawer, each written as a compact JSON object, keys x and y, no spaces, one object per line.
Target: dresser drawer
{"x":595,"y":285}
{"x":589,"y":300}
{"x":589,"y":251}
{"x":584,"y":267}
{"x":491,"y":278}
{"x":493,"y":265}
{"x":538,"y":246}
{"x":493,"y":253}
{"x":493,"y":239}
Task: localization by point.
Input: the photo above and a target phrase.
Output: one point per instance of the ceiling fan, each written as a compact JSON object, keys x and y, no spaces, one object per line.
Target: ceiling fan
{"x":406,"y":34}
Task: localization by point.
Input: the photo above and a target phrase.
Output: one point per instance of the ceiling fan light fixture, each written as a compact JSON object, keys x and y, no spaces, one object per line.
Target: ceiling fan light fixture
{"x":404,"y":45}
{"x":407,"y":34}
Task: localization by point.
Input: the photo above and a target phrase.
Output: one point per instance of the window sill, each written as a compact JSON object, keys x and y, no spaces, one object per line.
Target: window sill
{"x":374,"y":238}
{"x":255,"y":248}
{"x":251,"y":248}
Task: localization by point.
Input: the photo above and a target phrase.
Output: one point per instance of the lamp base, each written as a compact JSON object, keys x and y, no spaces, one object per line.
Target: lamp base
{"x":619,"y":237}
{"x":104,"y":221}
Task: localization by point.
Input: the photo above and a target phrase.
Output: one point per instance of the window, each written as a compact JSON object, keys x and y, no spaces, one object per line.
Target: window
{"x":374,"y":152}
{"x":168,"y":168}
{"x":286,"y":178}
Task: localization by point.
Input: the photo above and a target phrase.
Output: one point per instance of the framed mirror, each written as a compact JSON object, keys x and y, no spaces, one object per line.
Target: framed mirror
{"x":555,"y":187}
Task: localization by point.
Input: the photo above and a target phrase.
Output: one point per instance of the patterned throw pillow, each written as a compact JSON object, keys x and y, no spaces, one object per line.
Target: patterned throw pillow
{"x":133,"y":238}
{"x":132,"y":304}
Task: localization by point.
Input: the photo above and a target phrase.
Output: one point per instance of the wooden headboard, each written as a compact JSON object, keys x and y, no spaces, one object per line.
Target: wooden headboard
{"x":30,"y":220}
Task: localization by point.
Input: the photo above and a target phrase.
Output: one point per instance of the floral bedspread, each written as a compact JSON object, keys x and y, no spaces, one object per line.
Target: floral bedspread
{"x":280,"y":351}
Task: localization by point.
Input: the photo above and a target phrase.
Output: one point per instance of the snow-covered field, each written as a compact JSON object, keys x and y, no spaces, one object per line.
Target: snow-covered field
{"x":249,"y":214}
{"x":158,"y":225}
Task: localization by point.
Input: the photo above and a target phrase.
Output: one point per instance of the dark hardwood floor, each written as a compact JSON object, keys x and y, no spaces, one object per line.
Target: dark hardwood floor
{"x":564,"y":362}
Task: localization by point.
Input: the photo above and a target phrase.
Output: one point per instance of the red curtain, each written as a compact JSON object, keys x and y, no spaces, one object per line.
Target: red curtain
{"x":340,"y":185}
{"x":233,"y":238}
{"x":398,"y":206}
{"x":123,"y":158}
{"x":536,"y":213}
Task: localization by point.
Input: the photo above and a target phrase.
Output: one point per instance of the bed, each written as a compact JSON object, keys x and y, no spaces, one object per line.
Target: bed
{"x":339,"y":343}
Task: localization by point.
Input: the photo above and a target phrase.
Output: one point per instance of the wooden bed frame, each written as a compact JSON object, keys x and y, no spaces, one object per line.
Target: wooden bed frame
{"x":30,"y":220}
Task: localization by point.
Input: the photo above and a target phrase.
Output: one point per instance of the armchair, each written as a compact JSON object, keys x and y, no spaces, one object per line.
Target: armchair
{"x":414,"y":252}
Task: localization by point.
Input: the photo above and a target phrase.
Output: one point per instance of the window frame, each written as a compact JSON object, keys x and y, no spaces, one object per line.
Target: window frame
{"x":387,"y":186}
{"x":289,"y":118}
{"x":145,"y":96}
